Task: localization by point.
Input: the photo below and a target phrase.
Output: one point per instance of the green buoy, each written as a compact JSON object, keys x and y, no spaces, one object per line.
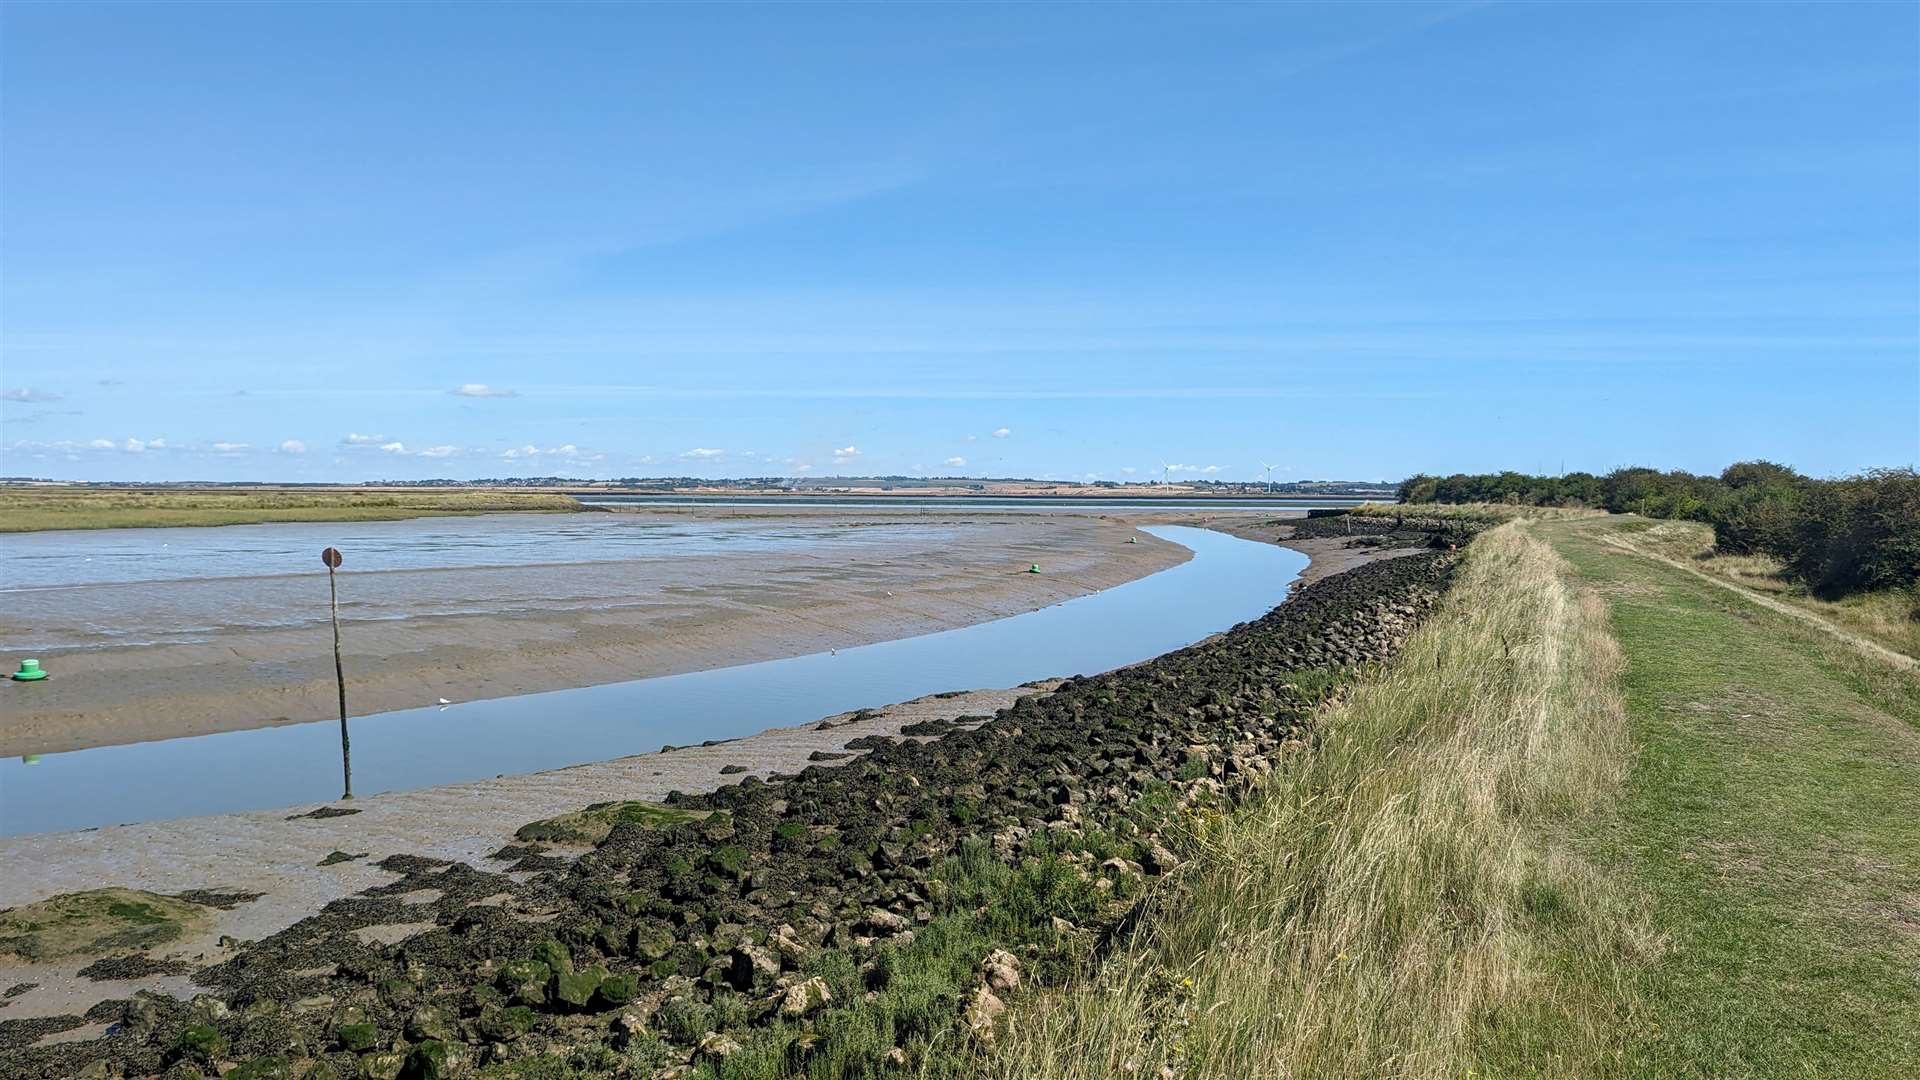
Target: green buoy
{"x":1133,"y":539}
{"x":29,"y":671}
{"x":1034,"y":569}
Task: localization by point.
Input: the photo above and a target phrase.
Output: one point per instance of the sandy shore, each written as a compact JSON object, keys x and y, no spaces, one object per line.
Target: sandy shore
{"x":277,"y":854}
{"x":658,"y":618}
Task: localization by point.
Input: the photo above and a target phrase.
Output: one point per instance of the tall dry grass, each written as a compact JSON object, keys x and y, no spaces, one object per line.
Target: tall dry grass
{"x":1409,"y":898}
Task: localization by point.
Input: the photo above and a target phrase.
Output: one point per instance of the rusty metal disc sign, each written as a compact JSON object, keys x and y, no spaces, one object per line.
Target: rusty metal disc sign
{"x":331,"y":557}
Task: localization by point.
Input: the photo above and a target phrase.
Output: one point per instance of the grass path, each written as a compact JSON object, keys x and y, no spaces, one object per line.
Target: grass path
{"x":1879,"y":651}
{"x":1772,"y":818}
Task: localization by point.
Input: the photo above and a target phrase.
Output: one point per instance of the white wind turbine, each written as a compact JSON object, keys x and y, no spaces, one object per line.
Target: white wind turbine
{"x":1166,"y":473}
{"x":1269,"y":469}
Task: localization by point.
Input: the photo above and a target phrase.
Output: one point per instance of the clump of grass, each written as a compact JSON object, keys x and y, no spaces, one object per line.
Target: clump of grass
{"x":1408,"y":899}
{"x":40,"y":509}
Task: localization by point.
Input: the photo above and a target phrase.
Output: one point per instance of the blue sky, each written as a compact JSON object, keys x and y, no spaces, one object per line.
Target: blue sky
{"x":276,"y":242}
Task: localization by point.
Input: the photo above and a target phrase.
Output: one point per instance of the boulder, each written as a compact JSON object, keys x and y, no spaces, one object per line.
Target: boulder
{"x":804,"y":997}
{"x":1001,"y":971}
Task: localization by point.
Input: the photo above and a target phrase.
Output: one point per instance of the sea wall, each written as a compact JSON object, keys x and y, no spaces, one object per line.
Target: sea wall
{"x":869,"y":910}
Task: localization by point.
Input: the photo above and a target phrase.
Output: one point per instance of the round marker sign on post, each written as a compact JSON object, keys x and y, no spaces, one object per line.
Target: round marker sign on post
{"x":330,"y":557}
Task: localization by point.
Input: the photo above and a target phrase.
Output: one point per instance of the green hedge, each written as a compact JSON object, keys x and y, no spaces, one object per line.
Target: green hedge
{"x":1854,"y":534}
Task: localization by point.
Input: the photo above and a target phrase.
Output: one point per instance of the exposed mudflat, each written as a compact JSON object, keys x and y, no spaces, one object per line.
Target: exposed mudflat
{"x":650,"y":617}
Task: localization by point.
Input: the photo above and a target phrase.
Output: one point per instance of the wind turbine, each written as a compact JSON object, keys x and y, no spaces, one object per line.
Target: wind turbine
{"x":1269,"y":469}
{"x":1166,"y":473}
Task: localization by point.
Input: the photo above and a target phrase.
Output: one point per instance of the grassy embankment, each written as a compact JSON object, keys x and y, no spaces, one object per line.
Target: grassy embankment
{"x":37,"y":510}
{"x":1516,"y":855}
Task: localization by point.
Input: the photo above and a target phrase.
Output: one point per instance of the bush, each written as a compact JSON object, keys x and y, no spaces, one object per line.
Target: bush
{"x":1856,"y":534}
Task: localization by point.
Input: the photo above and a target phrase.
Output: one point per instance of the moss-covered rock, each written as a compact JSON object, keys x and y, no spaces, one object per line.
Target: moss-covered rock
{"x":591,"y":825}
{"x":554,"y":954}
{"x":505,"y":1025}
{"x":428,"y":1061}
{"x":97,"y":922}
{"x":525,"y":981}
{"x":357,"y":1036}
{"x":200,"y":1043}
{"x":615,"y":991}
{"x":576,"y":988}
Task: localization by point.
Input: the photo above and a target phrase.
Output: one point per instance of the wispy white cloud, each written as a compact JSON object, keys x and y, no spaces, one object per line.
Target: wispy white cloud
{"x":395,"y":447}
{"x":957,"y":462}
{"x":437,"y":451}
{"x":1001,"y":433}
{"x":845,"y":455}
{"x":701,"y":453}
{"x":28,"y":394}
{"x":293,"y":446}
{"x":475,"y":389}
{"x":229,"y":447}
{"x":357,"y":439}
{"x":101,"y":444}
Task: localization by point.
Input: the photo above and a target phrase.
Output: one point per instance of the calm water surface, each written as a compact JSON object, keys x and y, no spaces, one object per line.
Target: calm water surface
{"x":1228,"y":581}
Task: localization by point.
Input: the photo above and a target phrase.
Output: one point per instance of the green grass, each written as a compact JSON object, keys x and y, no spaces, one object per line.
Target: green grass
{"x":1773,"y":820}
{"x":41,"y":509}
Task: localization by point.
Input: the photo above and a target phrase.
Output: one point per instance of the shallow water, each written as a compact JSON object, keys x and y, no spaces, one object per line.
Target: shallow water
{"x":1026,"y":503}
{"x":132,"y":587}
{"x":1228,"y":581}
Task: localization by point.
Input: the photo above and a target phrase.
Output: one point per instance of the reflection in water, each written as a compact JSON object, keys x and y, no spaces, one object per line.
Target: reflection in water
{"x":1227,"y":581}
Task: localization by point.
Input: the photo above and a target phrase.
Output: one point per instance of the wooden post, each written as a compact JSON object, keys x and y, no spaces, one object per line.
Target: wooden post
{"x":331,"y":557}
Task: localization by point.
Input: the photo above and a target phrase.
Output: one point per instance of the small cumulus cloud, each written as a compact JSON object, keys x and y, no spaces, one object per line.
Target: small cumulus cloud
{"x":479,"y":389}
{"x":293,"y":446}
{"x":394,"y":447}
{"x":356,"y":439}
{"x":28,"y":394}
{"x":701,"y":453}
{"x":973,"y":438}
{"x":437,"y":451}
{"x":845,"y":454}
{"x":1001,"y":433}
{"x":134,"y":446}
{"x":957,"y":462}
{"x":229,"y":447}
{"x":101,"y":444}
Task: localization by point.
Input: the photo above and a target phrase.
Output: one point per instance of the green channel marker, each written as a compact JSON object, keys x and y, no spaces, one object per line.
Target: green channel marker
{"x":30,"y":670}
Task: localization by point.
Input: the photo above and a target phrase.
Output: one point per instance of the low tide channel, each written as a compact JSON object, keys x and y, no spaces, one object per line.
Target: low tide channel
{"x":1228,"y":581}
